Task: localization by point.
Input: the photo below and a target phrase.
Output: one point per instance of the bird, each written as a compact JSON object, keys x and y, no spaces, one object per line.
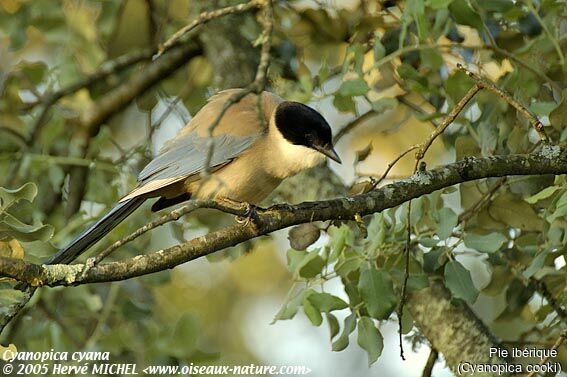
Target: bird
{"x":257,"y":143}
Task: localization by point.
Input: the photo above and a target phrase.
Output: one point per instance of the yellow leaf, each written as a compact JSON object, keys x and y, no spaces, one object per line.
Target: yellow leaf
{"x":11,"y":249}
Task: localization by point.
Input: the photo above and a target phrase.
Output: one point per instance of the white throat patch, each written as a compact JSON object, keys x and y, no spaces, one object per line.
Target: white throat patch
{"x":287,"y":159}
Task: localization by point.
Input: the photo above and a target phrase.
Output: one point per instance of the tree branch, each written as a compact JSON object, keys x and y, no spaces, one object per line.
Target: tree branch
{"x":549,"y":160}
{"x":205,"y":17}
{"x":462,"y":337}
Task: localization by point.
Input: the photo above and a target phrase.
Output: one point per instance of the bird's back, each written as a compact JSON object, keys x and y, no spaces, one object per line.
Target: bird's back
{"x":240,"y":120}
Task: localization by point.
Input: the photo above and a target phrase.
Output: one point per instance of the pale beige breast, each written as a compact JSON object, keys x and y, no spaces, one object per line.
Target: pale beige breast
{"x":243,"y":180}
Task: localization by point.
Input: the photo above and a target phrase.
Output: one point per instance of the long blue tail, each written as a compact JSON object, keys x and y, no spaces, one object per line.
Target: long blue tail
{"x":96,"y":231}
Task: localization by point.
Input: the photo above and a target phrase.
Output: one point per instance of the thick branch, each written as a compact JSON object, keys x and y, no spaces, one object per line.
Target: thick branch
{"x":453,"y":329}
{"x":126,"y":93}
{"x":550,"y":160}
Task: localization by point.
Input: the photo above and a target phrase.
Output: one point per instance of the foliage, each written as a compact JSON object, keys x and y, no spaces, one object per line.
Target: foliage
{"x":516,"y":225}
{"x":374,"y":60}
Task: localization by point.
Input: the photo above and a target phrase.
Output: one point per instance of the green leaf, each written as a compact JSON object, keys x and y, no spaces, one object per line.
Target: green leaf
{"x":416,"y":81}
{"x":294,"y":259}
{"x":407,"y":322}
{"x":379,"y":50}
{"x":183,"y":341}
{"x":342,"y":342}
{"x":558,"y":117}
{"x":305,"y":264}
{"x":363,"y":154}
{"x":306,"y":84}
{"x":344,"y":104}
{"x":10,"y":227}
{"x":464,"y":14}
{"x":34,"y":71}
{"x":438,"y":4}
{"x":417,"y":282}
{"x":289,"y":309}
{"x":459,"y":282}
{"x":348,"y":261}
{"x":543,"y":194}
{"x":408,"y":72}
{"x":384,"y":104}
{"x":560,"y":208}
{"x":447,"y":223}
{"x":543,"y":108}
{"x":311,"y":265}
{"x":536,"y":264}
{"x":370,"y":339}
{"x":9,"y":197}
{"x":434,"y":259}
{"x":456,"y":86}
{"x":9,"y":297}
{"x":507,"y":209}
{"x":326,"y":302}
{"x":377,"y":292}
{"x":323,"y":71}
{"x":485,"y":243}
{"x":312,"y":312}
{"x":431,"y":58}
{"x":376,"y":232}
{"x":339,"y":238}
{"x":358,"y":51}
{"x":352,"y":88}
{"x":414,"y":8}
{"x":333,"y":323}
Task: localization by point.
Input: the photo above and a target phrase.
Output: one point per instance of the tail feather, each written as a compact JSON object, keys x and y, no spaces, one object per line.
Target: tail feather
{"x":96,"y":231}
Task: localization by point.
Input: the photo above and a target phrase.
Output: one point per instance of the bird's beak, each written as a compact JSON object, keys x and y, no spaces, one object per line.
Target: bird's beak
{"x":330,"y":152}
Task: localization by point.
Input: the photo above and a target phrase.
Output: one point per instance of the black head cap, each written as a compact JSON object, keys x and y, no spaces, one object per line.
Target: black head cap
{"x":301,"y":125}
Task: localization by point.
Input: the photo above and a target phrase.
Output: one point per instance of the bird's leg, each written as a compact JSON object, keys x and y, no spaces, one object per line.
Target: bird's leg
{"x":250,"y":215}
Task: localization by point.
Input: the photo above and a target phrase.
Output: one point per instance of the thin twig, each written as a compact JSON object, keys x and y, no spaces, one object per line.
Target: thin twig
{"x":16,"y":308}
{"x":224,"y":206}
{"x":64,"y":325}
{"x":459,"y":107}
{"x":103,"y":317}
{"x":353,"y":124}
{"x":406,"y":277}
{"x":391,"y":165}
{"x":542,"y":289}
{"x":542,"y":75}
{"x":418,"y":109}
{"x":431,"y":360}
{"x":106,"y":69}
{"x":483,"y":83}
{"x":485,"y":198}
{"x":205,"y":17}
{"x":553,"y":40}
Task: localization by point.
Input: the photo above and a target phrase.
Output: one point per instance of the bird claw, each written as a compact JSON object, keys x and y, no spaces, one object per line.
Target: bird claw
{"x":250,"y":215}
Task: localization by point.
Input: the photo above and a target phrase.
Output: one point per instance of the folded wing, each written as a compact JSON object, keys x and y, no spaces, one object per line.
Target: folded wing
{"x":186,"y":156}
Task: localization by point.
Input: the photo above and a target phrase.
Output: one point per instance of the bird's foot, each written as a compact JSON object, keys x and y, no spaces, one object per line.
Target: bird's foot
{"x":250,"y":215}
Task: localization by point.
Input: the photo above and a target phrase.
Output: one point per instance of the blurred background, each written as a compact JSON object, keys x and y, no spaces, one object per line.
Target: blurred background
{"x":381,"y":72}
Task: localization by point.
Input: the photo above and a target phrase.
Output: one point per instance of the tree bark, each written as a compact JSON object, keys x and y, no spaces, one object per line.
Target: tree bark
{"x":453,"y":329}
{"x":232,"y":56}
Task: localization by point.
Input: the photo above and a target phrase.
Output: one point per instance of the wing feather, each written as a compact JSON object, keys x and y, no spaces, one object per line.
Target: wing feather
{"x":185,"y":157}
